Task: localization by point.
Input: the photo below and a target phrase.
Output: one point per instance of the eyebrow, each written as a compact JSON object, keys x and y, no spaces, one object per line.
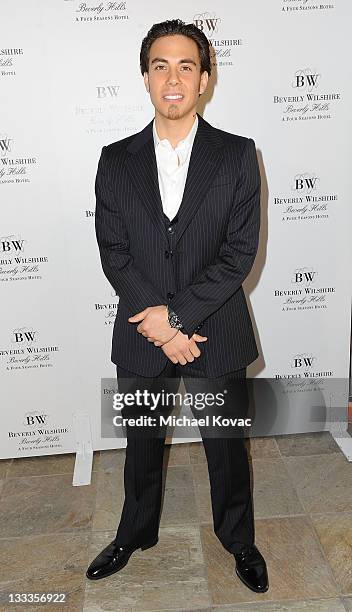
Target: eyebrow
{"x":187,"y":60}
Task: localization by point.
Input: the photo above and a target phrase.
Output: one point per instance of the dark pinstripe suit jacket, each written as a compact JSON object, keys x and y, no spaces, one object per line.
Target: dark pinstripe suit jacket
{"x":216,"y":244}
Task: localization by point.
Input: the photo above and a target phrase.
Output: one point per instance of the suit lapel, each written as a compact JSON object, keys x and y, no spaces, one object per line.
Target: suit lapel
{"x":143,"y":171}
{"x":205,"y":160}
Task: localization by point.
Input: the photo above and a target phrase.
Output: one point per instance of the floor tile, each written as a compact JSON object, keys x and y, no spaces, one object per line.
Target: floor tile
{"x":4,"y":467}
{"x":178,"y":476}
{"x":112,"y":459}
{"x":312,"y":443}
{"x":201,"y":475}
{"x":46,"y":465}
{"x":170,"y":575}
{"x":296,"y":565}
{"x":202,"y":492}
{"x":45,"y":504}
{"x":335,"y":535}
{"x":109,"y":499}
{"x":317,"y":605}
{"x":197,"y":609}
{"x":273,"y":491}
{"x":323,"y":482}
{"x":197,"y":453}
{"x":265,"y":447}
{"x":177,"y":454}
{"x":309,"y":558}
{"x":274,"y":494}
{"x":179,"y":501}
{"x":44,"y":564}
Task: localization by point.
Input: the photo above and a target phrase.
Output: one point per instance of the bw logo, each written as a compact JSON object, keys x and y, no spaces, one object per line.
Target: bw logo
{"x":5,"y":145}
{"x":303,"y":361}
{"x":305,"y":183}
{"x":304,"y":276}
{"x":207,"y":23}
{"x":32,"y":419}
{"x":11,"y":244}
{"x":24,"y":336}
{"x":305,"y":80}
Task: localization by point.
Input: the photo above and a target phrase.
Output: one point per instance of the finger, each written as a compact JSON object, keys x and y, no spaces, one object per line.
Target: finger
{"x":138,"y":317}
{"x":170,"y":355}
{"x":199,"y":338}
{"x":189,"y":356}
{"x":141,"y":315}
{"x":186,"y":354}
{"x":194,"y":350}
{"x":181,"y":359}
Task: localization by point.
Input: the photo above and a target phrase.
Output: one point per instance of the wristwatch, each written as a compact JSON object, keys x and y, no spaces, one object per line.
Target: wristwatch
{"x":173,"y":319}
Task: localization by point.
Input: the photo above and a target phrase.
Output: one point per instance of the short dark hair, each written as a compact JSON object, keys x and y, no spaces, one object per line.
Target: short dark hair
{"x":169,"y":28}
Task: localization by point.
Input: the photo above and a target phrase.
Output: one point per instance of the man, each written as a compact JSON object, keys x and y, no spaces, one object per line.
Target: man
{"x":177,"y":224}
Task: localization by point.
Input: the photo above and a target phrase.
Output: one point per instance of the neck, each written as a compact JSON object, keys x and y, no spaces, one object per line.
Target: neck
{"x":174,"y":129}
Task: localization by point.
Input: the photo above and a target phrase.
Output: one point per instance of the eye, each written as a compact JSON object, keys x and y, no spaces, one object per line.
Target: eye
{"x":187,"y":67}
{"x":159,"y":66}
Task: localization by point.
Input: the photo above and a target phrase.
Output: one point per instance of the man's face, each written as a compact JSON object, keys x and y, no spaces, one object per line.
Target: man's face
{"x":174,"y":79}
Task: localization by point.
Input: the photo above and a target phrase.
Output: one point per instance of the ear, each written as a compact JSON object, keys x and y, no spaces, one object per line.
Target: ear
{"x":204,"y":77}
{"x":146,"y":80}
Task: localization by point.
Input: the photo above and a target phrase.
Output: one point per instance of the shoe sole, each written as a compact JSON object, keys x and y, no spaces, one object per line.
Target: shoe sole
{"x":249,"y":586}
{"x":144,"y":547}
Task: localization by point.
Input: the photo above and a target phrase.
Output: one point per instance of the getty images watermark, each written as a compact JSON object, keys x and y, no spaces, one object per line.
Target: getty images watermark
{"x":199,"y":401}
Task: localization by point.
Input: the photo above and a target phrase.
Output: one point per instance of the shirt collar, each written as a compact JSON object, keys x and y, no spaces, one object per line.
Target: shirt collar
{"x":185,"y":143}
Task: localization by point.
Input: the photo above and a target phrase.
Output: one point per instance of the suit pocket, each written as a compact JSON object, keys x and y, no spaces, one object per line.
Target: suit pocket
{"x":224,"y":179}
{"x":218,"y":184}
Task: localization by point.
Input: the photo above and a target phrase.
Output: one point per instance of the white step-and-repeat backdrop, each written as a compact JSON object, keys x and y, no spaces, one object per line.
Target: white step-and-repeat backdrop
{"x":70,"y":83}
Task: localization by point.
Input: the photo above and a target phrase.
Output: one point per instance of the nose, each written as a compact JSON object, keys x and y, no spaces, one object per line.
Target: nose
{"x":173,"y":78}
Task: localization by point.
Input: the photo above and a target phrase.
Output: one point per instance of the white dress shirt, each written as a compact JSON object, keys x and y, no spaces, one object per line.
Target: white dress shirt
{"x":172,"y":166}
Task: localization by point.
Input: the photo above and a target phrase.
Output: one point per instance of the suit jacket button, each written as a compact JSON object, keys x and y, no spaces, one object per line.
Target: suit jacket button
{"x":170,"y":295}
{"x":167,"y":254}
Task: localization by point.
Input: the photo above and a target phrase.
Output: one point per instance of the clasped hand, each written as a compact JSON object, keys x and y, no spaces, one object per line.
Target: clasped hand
{"x":155,"y":327}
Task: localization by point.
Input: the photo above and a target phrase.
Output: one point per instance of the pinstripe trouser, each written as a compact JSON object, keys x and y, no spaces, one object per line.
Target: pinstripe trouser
{"x":227,"y":459}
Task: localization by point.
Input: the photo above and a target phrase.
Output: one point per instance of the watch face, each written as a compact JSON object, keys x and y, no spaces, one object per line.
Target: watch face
{"x":174,"y":323}
{"x":173,"y":319}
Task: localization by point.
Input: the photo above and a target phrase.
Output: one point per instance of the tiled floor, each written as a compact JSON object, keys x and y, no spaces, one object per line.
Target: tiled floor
{"x":50,"y":531}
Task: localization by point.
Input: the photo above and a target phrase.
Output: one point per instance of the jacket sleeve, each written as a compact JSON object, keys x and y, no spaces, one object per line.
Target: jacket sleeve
{"x":225,"y":275}
{"x":113,"y":242}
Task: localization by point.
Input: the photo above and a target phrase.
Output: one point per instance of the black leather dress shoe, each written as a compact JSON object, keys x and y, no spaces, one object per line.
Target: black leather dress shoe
{"x":251,"y":569}
{"x":113,"y":558}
